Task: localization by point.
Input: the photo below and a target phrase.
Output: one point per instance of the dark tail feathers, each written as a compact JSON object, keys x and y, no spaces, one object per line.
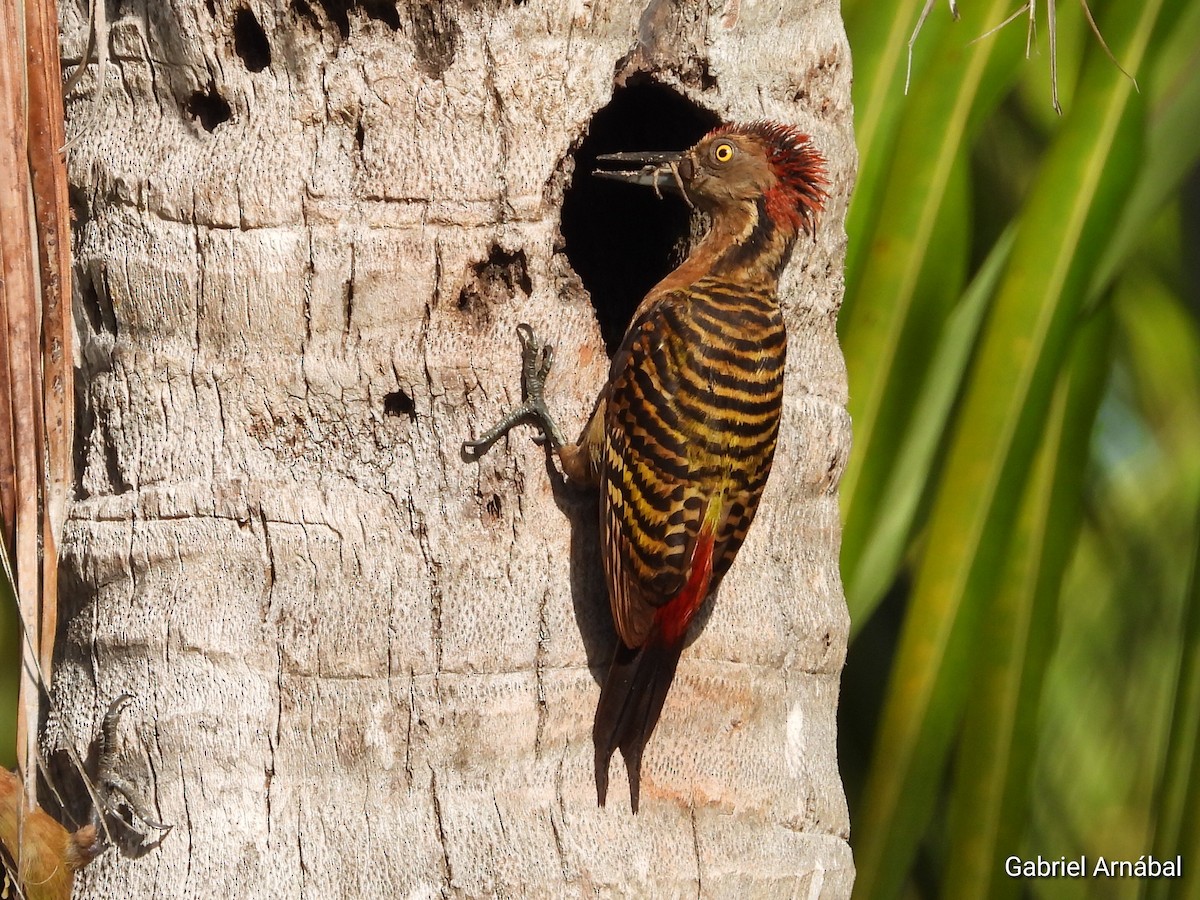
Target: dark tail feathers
{"x":630,"y":704}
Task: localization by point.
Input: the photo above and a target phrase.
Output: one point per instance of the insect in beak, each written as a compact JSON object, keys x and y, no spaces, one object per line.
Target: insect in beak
{"x":649,"y":169}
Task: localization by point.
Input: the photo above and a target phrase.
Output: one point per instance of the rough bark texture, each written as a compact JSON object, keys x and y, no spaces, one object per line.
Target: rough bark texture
{"x":305,"y":234}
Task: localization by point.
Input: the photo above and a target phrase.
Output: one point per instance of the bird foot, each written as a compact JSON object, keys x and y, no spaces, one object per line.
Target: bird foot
{"x":121,"y":816}
{"x":536,"y":359}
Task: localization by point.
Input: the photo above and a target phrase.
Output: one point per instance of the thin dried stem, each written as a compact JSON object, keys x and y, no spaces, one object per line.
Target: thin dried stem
{"x":1052,"y":27}
{"x":1024,"y":8}
{"x":913,"y":40}
{"x":1030,"y":7}
{"x":1096,"y":31}
{"x":97,"y":40}
{"x":916,"y":31}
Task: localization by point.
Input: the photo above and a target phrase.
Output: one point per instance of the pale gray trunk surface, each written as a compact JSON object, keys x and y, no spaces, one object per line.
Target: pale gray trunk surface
{"x":365,"y":667}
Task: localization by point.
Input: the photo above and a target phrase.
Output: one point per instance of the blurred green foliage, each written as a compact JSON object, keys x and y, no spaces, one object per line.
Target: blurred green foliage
{"x":1022,"y":333}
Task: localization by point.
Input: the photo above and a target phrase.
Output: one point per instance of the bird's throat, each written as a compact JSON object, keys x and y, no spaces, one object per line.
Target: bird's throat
{"x":743,"y":244}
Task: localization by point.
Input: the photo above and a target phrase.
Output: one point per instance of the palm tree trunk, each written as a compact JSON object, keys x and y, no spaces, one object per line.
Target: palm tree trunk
{"x":305,"y":234}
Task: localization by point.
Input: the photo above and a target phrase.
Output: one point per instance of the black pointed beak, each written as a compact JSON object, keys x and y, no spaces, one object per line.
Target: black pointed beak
{"x":656,"y":169}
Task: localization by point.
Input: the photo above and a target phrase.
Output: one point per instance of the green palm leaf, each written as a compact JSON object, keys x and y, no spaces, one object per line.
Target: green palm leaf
{"x":1065,"y":226}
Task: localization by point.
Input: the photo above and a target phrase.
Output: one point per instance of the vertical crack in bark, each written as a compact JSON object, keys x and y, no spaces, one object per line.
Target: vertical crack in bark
{"x":499,"y":817}
{"x":558,"y":847}
{"x":154,"y":780}
{"x":273,"y":738}
{"x":268,"y":779}
{"x":539,"y":671}
{"x":310,"y":269}
{"x":187,"y":817}
{"x":199,"y":276}
{"x":368,"y":852}
{"x":437,"y":273}
{"x":348,"y":299}
{"x":696,"y":848}
{"x":439,"y":445}
{"x":300,"y":844}
{"x":272,"y":571}
{"x":130,"y":570}
{"x":501,"y":131}
{"x":412,"y":717}
{"x":220,"y":415}
{"x":135,"y":437}
{"x":558,"y":798}
{"x":441,"y":827}
{"x":105,"y":437}
{"x":416,"y":524}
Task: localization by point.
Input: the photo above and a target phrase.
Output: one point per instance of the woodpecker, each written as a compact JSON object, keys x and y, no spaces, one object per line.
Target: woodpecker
{"x":683,"y":433}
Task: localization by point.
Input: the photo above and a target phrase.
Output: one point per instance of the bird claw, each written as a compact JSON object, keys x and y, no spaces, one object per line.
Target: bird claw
{"x":537,"y":358}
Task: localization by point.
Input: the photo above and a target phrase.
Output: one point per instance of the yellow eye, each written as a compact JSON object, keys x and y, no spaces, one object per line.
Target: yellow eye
{"x":723,"y":152}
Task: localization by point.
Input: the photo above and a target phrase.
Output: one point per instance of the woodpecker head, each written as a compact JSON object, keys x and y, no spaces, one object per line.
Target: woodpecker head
{"x":737,"y":166}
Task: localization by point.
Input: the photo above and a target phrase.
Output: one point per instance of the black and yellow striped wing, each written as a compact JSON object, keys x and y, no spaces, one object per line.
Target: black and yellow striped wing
{"x":691,"y":419}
